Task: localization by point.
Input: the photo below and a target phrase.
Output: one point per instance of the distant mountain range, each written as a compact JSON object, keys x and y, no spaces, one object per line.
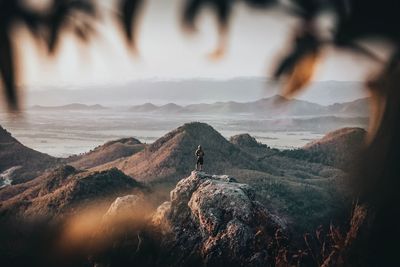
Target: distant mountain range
{"x":73,"y":106}
{"x":274,"y":106}
{"x":187,"y":91}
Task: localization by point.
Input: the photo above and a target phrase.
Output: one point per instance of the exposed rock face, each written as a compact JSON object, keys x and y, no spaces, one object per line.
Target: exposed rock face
{"x":216,"y":220}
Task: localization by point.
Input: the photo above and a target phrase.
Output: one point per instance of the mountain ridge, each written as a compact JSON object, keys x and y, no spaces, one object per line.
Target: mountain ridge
{"x":72,"y":106}
{"x":275,"y":105}
{"x":183,"y":91}
{"x":172,"y":155}
{"x":271,"y":106}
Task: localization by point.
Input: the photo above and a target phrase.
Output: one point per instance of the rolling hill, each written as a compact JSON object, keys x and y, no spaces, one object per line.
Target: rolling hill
{"x":338,"y":148}
{"x":359,"y":107}
{"x":305,"y":193}
{"x":274,"y":106}
{"x":26,"y":163}
{"x":110,"y":151}
{"x":147,"y":107}
{"x":62,"y":190}
{"x":172,"y":155}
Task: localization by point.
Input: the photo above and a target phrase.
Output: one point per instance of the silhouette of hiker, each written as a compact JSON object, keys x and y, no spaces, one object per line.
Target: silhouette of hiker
{"x":200,"y":158}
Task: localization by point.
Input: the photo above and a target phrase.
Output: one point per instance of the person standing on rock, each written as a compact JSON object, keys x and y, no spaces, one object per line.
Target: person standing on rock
{"x":200,"y":158}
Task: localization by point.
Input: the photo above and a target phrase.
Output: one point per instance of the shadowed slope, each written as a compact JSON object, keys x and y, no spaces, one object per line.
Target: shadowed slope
{"x":64,"y":190}
{"x":28,"y":162}
{"x":338,"y":148}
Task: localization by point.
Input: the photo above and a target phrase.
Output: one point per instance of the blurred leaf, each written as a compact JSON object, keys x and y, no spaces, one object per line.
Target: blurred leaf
{"x":307,"y":9}
{"x":63,"y":13}
{"x":7,"y":68}
{"x":221,"y":8}
{"x":129,"y":12}
{"x":298,"y":67}
{"x":301,"y":75}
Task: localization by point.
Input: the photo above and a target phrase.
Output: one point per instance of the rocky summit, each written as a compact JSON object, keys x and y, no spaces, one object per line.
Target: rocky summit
{"x":215,"y":220}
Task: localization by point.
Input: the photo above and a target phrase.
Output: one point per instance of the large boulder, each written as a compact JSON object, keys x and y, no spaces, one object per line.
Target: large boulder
{"x":123,"y":205}
{"x":217,"y":221}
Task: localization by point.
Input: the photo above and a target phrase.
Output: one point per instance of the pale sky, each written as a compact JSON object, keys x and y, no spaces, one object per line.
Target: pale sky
{"x":256,"y":40}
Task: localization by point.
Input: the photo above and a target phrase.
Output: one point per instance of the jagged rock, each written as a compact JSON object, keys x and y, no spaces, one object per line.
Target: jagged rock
{"x":218,"y":220}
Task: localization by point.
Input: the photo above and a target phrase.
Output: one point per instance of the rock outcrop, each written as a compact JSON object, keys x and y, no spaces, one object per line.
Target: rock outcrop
{"x":215,"y":220}
{"x":123,"y":205}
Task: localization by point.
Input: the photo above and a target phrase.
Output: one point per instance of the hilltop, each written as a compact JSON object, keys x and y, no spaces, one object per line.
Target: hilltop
{"x":338,"y":148}
{"x":359,"y":107}
{"x":172,"y":155}
{"x":249,"y":144}
{"x":110,"y":151}
{"x":63,"y":190}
